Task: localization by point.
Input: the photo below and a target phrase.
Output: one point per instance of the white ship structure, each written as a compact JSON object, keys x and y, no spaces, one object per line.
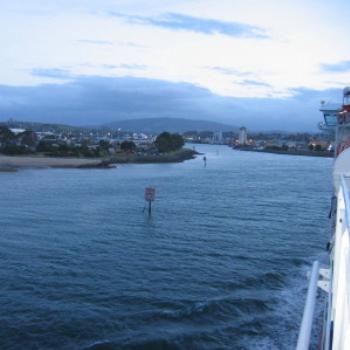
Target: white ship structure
{"x":334,"y":278}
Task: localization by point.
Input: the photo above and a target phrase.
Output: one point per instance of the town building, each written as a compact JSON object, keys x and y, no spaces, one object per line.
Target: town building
{"x":218,"y":137}
{"x":243,"y":137}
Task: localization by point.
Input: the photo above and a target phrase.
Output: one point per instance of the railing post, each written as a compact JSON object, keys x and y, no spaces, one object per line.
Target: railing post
{"x":306,"y":324}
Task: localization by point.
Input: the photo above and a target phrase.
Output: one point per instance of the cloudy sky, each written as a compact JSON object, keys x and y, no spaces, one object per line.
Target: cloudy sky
{"x":264,"y":64}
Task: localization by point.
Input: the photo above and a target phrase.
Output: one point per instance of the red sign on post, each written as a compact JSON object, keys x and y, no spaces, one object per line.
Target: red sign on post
{"x":150,"y":194}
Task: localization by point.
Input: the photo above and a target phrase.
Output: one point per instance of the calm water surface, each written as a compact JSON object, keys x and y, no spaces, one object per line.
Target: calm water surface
{"x":220,"y":264}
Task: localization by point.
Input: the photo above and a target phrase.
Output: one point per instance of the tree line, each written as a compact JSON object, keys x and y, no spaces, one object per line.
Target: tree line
{"x":27,"y":142}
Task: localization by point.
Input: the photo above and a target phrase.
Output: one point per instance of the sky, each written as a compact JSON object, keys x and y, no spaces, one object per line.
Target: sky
{"x":263,"y":64}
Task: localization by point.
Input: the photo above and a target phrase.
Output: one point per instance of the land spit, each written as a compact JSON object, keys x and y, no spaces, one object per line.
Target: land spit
{"x":12,"y":163}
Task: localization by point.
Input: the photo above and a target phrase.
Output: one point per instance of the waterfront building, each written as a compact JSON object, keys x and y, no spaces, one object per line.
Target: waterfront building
{"x":243,"y":138}
{"x":218,"y":137}
{"x":17,"y":131}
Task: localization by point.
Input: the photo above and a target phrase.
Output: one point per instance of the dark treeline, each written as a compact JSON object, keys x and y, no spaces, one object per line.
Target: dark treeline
{"x":167,"y":142}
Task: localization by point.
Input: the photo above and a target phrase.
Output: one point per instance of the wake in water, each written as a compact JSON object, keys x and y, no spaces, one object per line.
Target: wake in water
{"x":270,"y":323}
{"x":281,"y":325}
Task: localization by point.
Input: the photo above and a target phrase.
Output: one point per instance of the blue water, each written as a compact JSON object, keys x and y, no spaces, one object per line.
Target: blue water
{"x":220,"y":264}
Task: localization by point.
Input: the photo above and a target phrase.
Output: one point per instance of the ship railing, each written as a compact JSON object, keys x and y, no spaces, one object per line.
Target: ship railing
{"x":340,"y":283}
{"x":308,"y":315}
{"x":337,"y":330}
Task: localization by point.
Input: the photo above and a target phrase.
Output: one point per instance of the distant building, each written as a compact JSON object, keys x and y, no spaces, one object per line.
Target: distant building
{"x":243,"y":138}
{"x":292,"y":145}
{"x":319,"y":144}
{"x":17,"y":131}
{"x":218,"y":137}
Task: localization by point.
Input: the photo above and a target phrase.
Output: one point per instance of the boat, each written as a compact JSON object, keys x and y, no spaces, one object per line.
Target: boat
{"x":333,"y":278}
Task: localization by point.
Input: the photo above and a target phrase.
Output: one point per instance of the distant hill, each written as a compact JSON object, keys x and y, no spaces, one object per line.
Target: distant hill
{"x":147,"y":125}
{"x":157,"y":125}
{"x":37,"y":126}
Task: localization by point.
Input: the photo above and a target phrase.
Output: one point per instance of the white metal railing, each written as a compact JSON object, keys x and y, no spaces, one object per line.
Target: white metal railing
{"x":337,"y":330}
{"x":340,"y":284}
{"x":306,"y":323}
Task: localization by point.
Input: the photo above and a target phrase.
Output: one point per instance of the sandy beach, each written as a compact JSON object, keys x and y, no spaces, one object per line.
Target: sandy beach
{"x":8,"y":163}
{"x":13,"y":163}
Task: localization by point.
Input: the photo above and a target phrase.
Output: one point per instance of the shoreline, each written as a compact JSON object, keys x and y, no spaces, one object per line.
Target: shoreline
{"x":171,"y":157}
{"x":15,"y":163}
{"x":290,"y":153}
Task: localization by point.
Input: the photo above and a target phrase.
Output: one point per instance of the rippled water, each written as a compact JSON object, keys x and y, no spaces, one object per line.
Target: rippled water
{"x":220,"y":265}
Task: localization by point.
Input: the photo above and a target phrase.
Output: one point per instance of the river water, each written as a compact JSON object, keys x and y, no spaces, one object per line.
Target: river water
{"x":220,"y":264}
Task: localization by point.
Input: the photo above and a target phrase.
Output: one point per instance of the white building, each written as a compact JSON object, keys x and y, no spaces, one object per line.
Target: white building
{"x":218,"y":137}
{"x":243,"y":139}
{"x":17,"y":131}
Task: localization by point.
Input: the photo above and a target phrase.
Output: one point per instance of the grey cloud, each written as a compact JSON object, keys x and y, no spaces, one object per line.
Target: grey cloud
{"x":55,"y":73}
{"x":256,"y":83}
{"x":338,"y":67}
{"x":230,"y":71}
{"x":207,"y":26}
{"x":65,"y":74}
{"x":96,"y":100}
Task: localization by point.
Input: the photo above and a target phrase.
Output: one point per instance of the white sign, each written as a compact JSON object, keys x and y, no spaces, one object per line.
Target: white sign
{"x":150,"y":194}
